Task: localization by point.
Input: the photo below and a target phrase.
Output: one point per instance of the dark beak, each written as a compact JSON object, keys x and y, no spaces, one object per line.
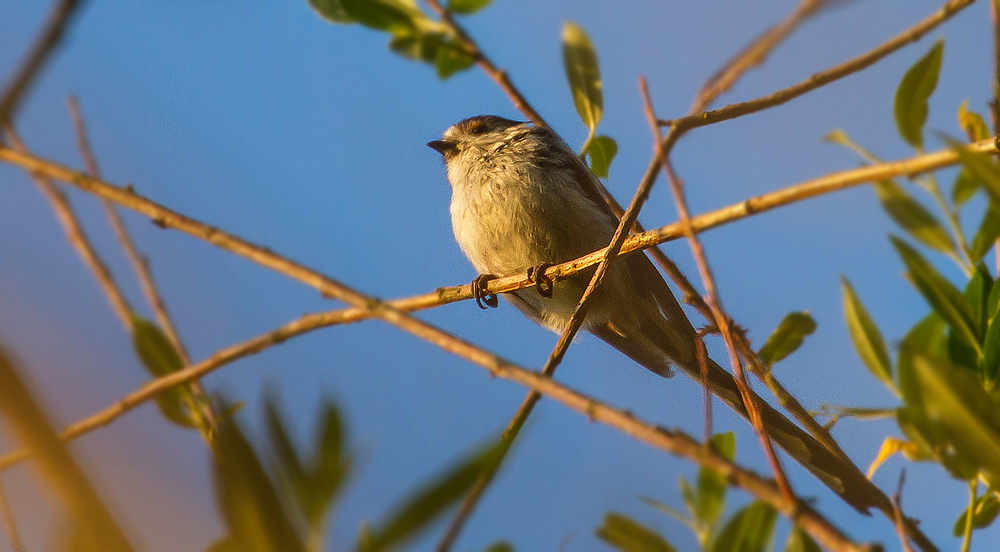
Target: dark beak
{"x":446,"y":148}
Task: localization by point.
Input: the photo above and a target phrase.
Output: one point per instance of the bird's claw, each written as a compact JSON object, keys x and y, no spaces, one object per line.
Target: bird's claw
{"x":481,"y":294}
{"x":543,"y":284}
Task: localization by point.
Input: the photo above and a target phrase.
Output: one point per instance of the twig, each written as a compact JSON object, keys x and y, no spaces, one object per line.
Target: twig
{"x":755,"y":54}
{"x":8,"y":522}
{"x":995,"y":101}
{"x":897,"y":508}
{"x":141,"y":266}
{"x":822,"y":78}
{"x":77,"y":237}
{"x":715,"y":303}
{"x":498,"y":75}
{"x":50,"y":37}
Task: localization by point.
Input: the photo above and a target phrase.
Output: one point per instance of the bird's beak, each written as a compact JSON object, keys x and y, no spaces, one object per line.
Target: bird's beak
{"x":447,"y":148}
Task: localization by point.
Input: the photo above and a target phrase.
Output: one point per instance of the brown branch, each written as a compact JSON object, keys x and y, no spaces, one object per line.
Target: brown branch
{"x":141,"y":266}
{"x":8,"y":522}
{"x":77,"y":237}
{"x":714,"y":301}
{"x":46,"y":43}
{"x":899,"y":518}
{"x":755,"y":54}
{"x":498,"y":75}
{"x":825,"y":77}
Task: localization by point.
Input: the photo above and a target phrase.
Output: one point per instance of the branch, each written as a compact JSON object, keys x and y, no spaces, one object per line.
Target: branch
{"x":8,"y":523}
{"x":45,"y":45}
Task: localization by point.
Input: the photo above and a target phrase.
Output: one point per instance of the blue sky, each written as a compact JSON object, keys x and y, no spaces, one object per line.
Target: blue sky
{"x":263,"y":119}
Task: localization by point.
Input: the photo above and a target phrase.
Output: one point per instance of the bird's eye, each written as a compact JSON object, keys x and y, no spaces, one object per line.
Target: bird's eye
{"x":481,"y":128}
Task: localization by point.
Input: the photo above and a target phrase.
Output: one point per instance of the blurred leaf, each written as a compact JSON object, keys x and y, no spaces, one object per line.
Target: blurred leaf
{"x":602,"y":151}
{"x":331,"y":10}
{"x":890,"y":446}
{"x":989,"y":231}
{"x":687,"y":493}
{"x":991,"y":354}
{"x":838,"y":136}
{"x":502,"y":546}
{"x":972,"y":123}
{"x":993,"y":302}
{"x":160,"y":358}
{"x":980,"y":164}
{"x":418,"y":512}
{"x":711,"y":484}
{"x":912,"y":216}
{"x":417,"y":46}
{"x":331,"y":465}
{"x":288,"y":463}
{"x":927,"y":338}
{"x":800,"y":541}
{"x":450,"y":59}
{"x":986,"y":509}
{"x":628,"y":535}
{"x":866,"y":336}
{"x":671,"y":511}
{"x":914,"y":90}
{"x":965,"y":187}
{"x":970,"y":417}
{"x":749,"y":530}
{"x":787,"y":337}
{"x":942,"y":296}
{"x":467,"y":7}
{"x":251,"y":506}
{"x":394,"y":16}
{"x":584,"y":75}
{"x":224,"y":544}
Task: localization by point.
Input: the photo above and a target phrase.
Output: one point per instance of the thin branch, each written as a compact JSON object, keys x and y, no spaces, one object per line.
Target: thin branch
{"x":46,"y":43}
{"x":897,"y":508}
{"x":8,"y":522}
{"x":825,"y":77}
{"x":714,"y":301}
{"x":755,"y":54}
{"x":77,"y":237}
{"x":498,"y":75}
{"x":141,"y":266}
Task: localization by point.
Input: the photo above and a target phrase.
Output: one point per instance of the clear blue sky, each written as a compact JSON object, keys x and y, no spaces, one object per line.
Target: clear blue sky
{"x":263,"y":119}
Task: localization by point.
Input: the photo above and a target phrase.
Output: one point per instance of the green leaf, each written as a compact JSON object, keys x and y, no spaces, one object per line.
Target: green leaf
{"x":628,"y":535}
{"x":224,"y":544}
{"x":749,"y":530}
{"x":450,"y":59}
{"x":602,"y":151}
{"x":980,"y":164}
{"x":941,"y":294}
{"x":711,"y":484}
{"x":160,"y":358}
{"x":800,"y":541}
{"x":250,"y":504}
{"x":912,"y":216}
{"x":331,"y":10}
{"x":986,"y":509}
{"x":972,"y":123}
{"x":969,"y":416}
{"x":287,"y":460}
{"x":914,"y":90}
{"x":331,"y":465}
{"x":965,"y":187}
{"x":993,"y":302}
{"x":787,"y":337}
{"x":584,"y":75}
{"x":989,"y":231}
{"x":467,"y":7}
{"x":417,"y":46}
{"x":501,"y":546}
{"x":991,"y":354}
{"x":866,"y":336}
{"x":418,"y":512}
{"x":394,"y":16}
{"x":687,"y":493}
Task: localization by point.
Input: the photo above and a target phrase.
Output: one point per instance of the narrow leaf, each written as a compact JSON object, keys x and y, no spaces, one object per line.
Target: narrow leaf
{"x":912,"y":216}
{"x":584,"y":75}
{"x":331,"y":465}
{"x":417,"y":46}
{"x":980,"y":164}
{"x":417,"y":513}
{"x":914,"y":90}
{"x":502,"y":546}
{"x":467,"y":7}
{"x":972,"y":123}
{"x":450,"y":59}
{"x":383,"y":15}
{"x":628,"y":535}
{"x":987,"y":507}
{"x":787,"y":337}
{"x":940,"y":293}
{"x":602,"y":151}
{"x":749,"y":530}
{"x":800,"y":541}
{"x":712,"y":485}
{"x":965,"y":187}
{"x":331,"y":10}
{"x":687,"y":493}
{"x":988,"y":232}
{"x":991,"y":352}
{"x":287,"y":460}
{"x":866,"y":337}
{"x":160,"y":358}
{"x":890,"y":446}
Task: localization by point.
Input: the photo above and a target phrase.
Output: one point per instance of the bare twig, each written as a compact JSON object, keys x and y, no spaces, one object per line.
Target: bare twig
{"x":714,"y":301}
{"x":755,"y":54}
{"x":897,"y":508}
{"x":46,"y":43}
{"x":498,"y":75}
{"x":78,"y":239}
{"x":8,"y":522}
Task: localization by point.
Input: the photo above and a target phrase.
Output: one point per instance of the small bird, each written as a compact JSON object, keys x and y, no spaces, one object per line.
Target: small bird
{"x":523,"y":200}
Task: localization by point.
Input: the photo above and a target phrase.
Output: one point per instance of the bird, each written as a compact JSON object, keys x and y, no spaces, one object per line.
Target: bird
{"x":523,"y":200}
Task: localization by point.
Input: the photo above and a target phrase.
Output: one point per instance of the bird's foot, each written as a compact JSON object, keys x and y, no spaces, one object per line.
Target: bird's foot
{"x":543,"y":284}
{"x":481,"y":294}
